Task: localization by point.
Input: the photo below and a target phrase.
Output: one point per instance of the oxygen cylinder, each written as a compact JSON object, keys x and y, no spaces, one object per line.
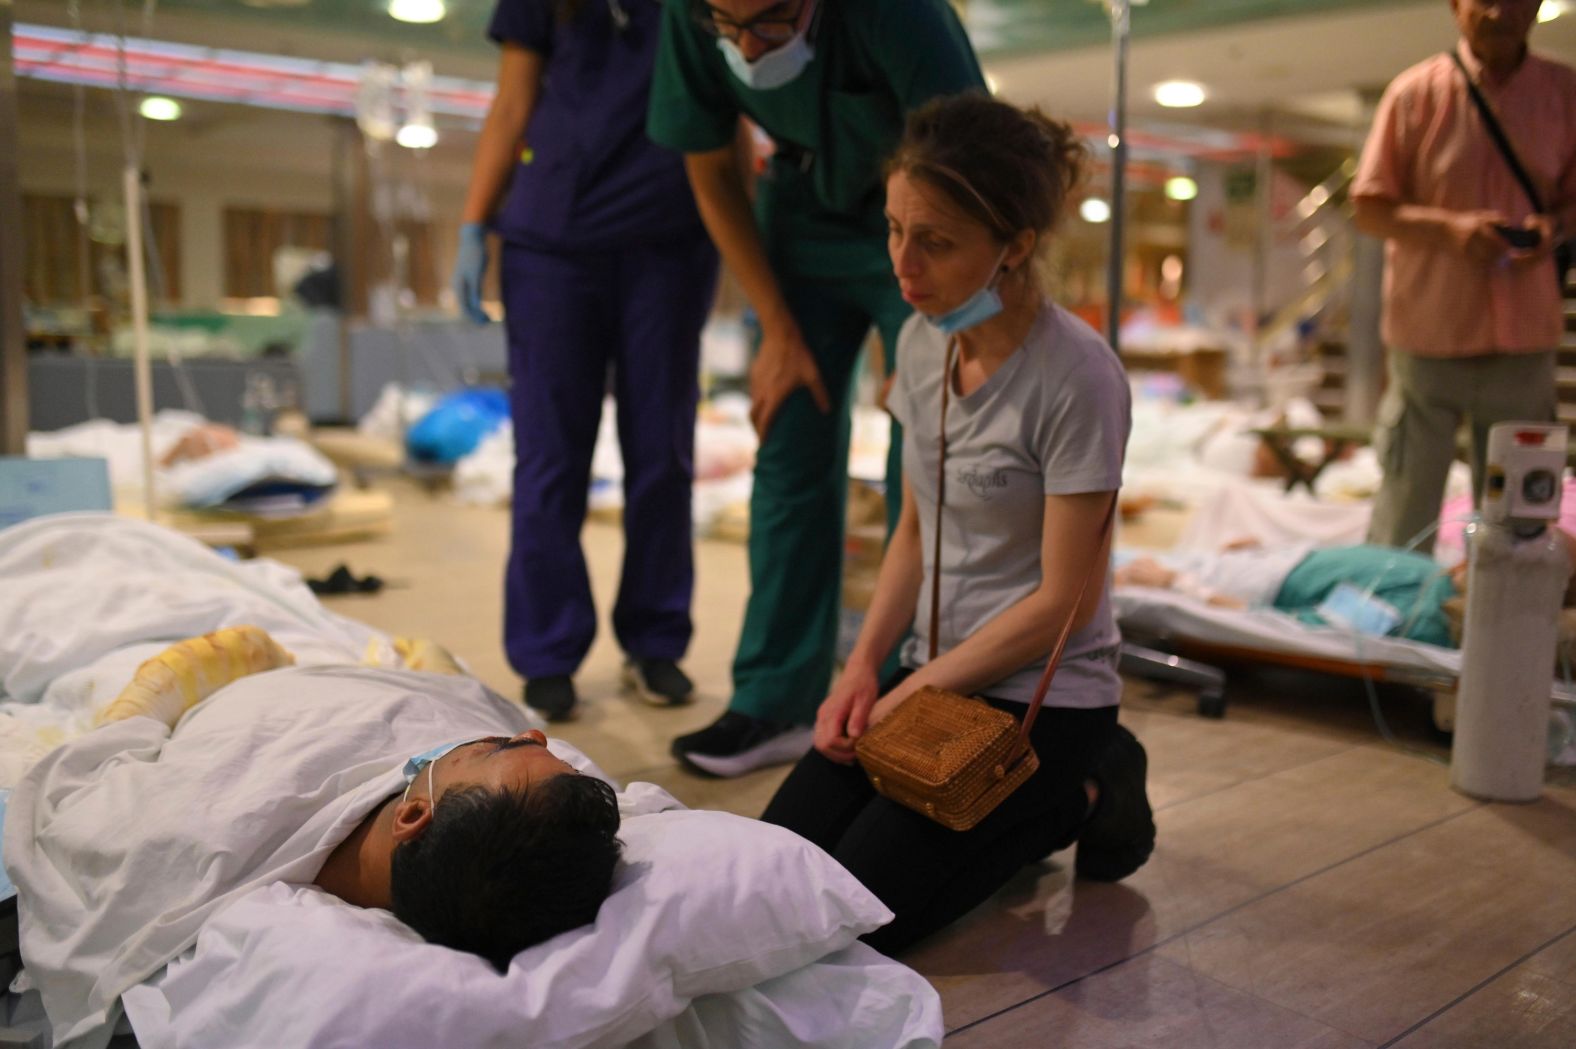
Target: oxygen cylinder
{"x":1517,"y":574}
{"x":1514,"y":588}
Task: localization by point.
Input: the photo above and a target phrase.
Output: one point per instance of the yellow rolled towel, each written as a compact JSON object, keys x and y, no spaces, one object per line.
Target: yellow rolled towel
{"x":420,"y":653}
{"x":186,"y":673}
{"x":411,"y":653}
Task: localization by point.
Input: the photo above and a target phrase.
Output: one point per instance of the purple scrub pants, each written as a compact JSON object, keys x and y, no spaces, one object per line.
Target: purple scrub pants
{"x":581,"y":325}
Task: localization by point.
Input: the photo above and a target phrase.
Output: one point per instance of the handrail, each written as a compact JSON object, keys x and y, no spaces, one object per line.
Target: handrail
{"x":1322,"y":280}
{"x":1324,"y":194}
{"x":1314,"y":298}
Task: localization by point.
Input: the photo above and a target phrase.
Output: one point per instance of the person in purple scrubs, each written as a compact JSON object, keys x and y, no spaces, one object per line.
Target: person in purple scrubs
{"x":607,"y":277}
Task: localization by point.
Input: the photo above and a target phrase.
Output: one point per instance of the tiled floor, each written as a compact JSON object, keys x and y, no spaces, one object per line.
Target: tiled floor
{"x":1313,"y":887}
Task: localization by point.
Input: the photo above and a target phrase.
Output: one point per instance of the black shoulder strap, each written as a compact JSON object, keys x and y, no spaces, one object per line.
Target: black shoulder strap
{"x":1498,"y":133}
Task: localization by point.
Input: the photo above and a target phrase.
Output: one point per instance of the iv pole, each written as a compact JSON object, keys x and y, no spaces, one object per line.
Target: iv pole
{"x":132,"y":142}
{"x":1121,"y":31}
{"x":139,"y":326}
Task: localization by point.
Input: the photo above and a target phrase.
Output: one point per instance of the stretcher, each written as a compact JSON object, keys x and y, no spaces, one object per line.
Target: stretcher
{"x":1175,"y":637}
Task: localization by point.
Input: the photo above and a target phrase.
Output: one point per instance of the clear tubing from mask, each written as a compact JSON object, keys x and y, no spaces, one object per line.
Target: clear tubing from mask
{"x":1358,"y":637}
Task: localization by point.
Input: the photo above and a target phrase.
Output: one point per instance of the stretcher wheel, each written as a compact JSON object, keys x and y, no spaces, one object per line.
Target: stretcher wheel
{"x":1212,"y":704}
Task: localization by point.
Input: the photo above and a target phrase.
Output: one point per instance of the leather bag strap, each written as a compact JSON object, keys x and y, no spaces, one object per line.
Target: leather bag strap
{"x":935,"y":574}
{"x":941,"y":498}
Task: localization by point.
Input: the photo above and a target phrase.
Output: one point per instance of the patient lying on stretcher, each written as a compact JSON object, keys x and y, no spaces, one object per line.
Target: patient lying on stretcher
{"x":1376,"y":589}
{"x":222,"y":768}
{"x":1383,"y":590}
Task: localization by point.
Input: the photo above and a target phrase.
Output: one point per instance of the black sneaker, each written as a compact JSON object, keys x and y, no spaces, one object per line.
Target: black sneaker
{"x":1119,"y":834}
{"x":659,"y":682}
{"x":553,"y":696}
{"x":737,"y":743}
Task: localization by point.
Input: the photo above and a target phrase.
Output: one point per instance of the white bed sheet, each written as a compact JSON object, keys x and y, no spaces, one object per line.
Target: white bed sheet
{"x":85,"y":598}
{"x":1200,"y":456}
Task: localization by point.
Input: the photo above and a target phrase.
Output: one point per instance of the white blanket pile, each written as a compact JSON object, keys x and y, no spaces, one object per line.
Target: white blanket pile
{"x":85,"y":598}
{"x":202,"y":483}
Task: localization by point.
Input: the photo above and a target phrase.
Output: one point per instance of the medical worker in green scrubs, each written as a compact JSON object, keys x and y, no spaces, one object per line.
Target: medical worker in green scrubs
{"x":830,"y":81}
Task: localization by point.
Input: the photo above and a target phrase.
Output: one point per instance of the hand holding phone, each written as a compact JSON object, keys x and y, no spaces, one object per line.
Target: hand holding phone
{"x":1521,"y":237}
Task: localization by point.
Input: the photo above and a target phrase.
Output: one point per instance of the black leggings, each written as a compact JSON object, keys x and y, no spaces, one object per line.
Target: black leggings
{"x":927,"y":875}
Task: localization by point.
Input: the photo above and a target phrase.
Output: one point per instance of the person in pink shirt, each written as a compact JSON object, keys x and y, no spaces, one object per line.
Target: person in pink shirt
{"x":1472,"y":301}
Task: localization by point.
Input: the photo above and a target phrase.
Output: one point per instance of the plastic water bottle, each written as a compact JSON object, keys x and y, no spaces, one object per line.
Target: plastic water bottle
{"x":257,"y":404}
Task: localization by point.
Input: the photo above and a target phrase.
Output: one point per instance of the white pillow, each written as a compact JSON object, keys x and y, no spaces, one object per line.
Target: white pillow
{"x":704,"y":903}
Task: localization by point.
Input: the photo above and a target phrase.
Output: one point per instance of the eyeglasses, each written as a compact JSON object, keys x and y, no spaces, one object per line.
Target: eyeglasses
{"x":774,"y":29}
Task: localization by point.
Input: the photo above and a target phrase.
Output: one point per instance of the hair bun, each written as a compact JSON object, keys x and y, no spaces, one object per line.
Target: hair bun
{"x":1012,"y":169}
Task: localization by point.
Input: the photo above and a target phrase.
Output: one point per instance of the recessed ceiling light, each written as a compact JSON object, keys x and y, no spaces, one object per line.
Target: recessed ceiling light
{"x":156,"y":107}
{"x":1180,"y":187}
{"x":1095,"y":210}
{"x":417,"y":136}
{"x":421,"y":12}
{"x":1552,"y":9}
{"x":1179,"y":94}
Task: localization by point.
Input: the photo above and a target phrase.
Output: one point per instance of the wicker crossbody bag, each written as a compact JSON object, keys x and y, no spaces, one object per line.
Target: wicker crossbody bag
{"x":943,"y":754}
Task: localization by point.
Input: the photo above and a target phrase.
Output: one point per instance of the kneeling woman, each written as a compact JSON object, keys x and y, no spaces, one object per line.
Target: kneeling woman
{"x":1037,"y":418}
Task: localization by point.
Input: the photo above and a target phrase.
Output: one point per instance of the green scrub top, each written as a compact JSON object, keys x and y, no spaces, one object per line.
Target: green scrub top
{"x":820,"y":205}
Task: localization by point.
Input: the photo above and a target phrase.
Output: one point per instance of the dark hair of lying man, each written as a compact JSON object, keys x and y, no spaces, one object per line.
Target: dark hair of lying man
{"x":498,"y":871}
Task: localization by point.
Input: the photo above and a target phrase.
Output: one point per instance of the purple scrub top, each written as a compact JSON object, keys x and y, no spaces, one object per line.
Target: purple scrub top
{"x":590,"y":179}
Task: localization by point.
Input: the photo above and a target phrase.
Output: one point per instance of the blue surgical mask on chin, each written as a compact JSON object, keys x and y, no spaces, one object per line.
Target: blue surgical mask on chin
{"x":976,"y":309}
{"x":415,"y":762}
{"x":773,"y":69}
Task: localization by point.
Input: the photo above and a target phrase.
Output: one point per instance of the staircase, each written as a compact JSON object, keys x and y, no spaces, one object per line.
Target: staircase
{"x":1565,"y":361}
{"x":1330,"y":397}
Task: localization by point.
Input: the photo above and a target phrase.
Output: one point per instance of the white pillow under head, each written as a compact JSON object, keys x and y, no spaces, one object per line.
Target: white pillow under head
{"x":704,"y":903}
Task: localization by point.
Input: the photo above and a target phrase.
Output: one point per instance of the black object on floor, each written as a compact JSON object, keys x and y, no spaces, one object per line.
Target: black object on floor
{"x":341,"y":581}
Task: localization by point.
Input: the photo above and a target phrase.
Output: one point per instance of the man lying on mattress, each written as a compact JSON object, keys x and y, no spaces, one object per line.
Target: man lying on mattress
{"x":1376,"y":589}
{"x":223,"y":768}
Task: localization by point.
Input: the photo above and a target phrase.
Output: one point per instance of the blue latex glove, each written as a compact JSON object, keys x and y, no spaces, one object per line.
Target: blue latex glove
{"x":470,"y":266}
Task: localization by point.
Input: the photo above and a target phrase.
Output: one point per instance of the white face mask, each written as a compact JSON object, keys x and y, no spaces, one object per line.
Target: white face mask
{"x":773,"y":69}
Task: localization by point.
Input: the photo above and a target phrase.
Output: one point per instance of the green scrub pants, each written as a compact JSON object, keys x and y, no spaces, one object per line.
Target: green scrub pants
{"x":783,"y":666}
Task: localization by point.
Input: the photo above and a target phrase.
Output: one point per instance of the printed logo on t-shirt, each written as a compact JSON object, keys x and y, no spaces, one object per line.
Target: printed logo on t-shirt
{"x":982,"y":481}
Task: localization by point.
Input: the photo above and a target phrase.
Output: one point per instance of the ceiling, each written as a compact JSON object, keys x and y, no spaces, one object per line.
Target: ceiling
{"x":1325,"y":66}
{"x":997,"y":26}
{"x":1317,"y":64}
